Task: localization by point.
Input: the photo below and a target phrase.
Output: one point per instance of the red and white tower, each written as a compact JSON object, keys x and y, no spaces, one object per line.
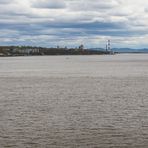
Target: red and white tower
{"x":109,"y":45}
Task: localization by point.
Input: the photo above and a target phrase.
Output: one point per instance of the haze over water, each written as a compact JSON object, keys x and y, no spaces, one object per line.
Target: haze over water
{"x":74,"y":101}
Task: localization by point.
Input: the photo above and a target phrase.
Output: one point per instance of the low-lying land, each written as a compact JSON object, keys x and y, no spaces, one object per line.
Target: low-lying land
{"x":29,"y":50}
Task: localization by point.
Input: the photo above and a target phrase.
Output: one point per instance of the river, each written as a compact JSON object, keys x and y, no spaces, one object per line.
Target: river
{"x":98,"y":101}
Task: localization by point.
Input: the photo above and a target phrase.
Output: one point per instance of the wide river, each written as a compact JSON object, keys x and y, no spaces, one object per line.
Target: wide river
{"x":98,"y":101}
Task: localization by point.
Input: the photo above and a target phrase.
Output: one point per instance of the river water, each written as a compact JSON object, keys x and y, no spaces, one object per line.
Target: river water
{"x":74,"y":101}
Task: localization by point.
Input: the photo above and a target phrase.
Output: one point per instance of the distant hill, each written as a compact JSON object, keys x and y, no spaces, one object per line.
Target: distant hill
{"x":124,"y":50}
{"x":130,"y":50}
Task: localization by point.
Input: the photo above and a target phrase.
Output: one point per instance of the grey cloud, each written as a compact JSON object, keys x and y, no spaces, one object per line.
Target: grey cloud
{"x":51,"y":4}
{"x":42,"y":21}
{"x":96,"y":5}
{"x":5,"y":1}
{"x":146,"y":9}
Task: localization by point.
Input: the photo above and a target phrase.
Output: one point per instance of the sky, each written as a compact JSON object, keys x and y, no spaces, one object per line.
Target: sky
{"x":49,"y":23}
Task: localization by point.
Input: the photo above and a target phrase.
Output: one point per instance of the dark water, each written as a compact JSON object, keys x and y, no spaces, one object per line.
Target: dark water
{"x":74,"y":101}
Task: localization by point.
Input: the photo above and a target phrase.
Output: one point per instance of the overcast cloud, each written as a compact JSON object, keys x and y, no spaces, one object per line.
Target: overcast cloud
{"x":74,"y":22}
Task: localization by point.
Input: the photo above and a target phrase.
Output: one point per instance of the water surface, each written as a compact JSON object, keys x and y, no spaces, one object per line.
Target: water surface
{"x":74,"y":101}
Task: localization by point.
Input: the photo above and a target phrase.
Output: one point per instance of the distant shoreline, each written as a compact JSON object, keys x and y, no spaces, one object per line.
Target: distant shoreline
{"x":13,"y":51}
{"x":36,"y":51}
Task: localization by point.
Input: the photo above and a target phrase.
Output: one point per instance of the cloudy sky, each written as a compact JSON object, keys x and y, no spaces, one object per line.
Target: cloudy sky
{"x":73,"y":22}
